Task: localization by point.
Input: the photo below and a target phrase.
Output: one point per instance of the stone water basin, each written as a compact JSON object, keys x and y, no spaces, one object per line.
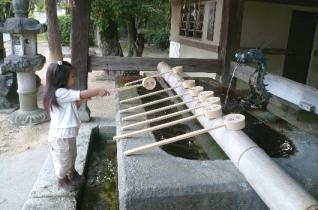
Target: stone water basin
{"x":195,"y":173}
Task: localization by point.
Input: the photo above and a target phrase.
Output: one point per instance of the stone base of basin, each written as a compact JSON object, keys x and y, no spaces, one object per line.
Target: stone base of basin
{"x":155,"y":179}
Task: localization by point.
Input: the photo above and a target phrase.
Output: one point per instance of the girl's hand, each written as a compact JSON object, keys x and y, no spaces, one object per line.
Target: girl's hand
{"x":103,"y":92}
{"x":87,"y":94}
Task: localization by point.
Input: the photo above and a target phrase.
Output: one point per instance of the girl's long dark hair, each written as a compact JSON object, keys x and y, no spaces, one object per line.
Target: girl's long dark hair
{"x":56,"y":77}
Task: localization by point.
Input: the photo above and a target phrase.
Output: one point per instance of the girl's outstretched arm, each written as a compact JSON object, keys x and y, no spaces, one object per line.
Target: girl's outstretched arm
{"x":86,"y":94}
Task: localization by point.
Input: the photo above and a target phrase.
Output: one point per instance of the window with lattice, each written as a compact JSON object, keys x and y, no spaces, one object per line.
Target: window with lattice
{"x":191,"y":23}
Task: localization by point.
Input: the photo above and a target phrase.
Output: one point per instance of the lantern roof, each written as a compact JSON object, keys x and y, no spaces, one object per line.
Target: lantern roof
{"x":21,"y":25}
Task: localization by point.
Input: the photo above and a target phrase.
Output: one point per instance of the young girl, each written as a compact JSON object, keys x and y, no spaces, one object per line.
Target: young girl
{"x":62,"y":103}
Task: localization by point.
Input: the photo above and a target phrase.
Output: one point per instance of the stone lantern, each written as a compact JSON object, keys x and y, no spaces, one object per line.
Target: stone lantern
{"x":24,"y":60}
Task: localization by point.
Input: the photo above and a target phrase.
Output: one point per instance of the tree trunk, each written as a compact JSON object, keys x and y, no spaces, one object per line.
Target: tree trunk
{"x":54,"y":39}
{"x":132,"y":36}
{"x":110,"y":45}
{"x":140,"y":43}
{"x":136,"y":41}
{"x":8,"y":10}
{"x":2,"y":49}
{"x":80,"y":48}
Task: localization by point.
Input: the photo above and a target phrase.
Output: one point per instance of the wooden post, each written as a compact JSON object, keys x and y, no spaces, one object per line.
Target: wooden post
{"x":230,"y":36}
{"x":79,"y":45}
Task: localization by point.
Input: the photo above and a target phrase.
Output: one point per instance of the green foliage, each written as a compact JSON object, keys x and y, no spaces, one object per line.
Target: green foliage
{"x":152,"y":17}
{"x":66,"y":5}
{"x":157,"y":25}
{"x":39,"y":4}
{"x":4,"y":9}
{"x":101,"y":11}
{"x":159,"y":38}
{"x":65,"y":25}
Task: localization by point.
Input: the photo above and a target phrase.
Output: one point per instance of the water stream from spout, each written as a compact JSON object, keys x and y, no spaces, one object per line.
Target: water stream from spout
{"x":229,"y":87}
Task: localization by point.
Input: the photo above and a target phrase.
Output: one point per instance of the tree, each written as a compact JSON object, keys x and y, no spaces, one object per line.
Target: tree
{"x":136,"y":14}
{"x":54,"y":39}
{"x":106,"y":21}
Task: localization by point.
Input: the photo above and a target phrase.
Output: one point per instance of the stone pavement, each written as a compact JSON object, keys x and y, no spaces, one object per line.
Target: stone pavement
{"x":17,"y":176}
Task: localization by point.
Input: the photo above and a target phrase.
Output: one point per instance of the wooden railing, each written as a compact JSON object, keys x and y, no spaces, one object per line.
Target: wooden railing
{"x":115,"y":63}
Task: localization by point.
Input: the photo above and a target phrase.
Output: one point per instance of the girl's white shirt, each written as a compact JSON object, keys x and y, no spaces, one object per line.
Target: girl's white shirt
{"x":65,"y":120}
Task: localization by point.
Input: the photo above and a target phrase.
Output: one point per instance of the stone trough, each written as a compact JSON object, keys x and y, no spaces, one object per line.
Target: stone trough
{"x":155,"y":179}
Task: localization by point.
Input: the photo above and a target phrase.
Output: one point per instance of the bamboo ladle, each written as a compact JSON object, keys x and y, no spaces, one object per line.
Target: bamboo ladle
{"x":185,"y":84}
{"x":164,"y":116}
{"x":208,"y":95}
{"x":176,"y":70}
{"x":214,"y":100}
{"x":231,"y":122}
{"x":194,"y":91}
{"x":148,"y":83}
{"x":211,"y":112}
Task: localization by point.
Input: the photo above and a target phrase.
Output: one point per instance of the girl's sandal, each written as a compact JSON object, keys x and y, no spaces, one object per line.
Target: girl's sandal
{"x":67,"y":185}
{"x":75,"y":178}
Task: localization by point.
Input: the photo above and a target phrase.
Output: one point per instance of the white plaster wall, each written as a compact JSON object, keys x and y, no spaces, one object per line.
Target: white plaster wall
{"x":174,"y":50}
{"x":267,"y":25}
{"x":192,"y":52}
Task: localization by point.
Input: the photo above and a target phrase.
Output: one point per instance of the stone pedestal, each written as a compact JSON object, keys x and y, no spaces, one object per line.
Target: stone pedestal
{"x":29,"y":111}
{"x":84,"y":113}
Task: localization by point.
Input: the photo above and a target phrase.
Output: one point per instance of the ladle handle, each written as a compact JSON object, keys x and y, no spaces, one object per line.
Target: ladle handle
{"x":151,"y":103}
{"x":160,"y":118}
{"x":124,"y":88}
{"x":145,"y":95}
{"x":156,"y":127}
{"x":157,"y":110}
{"x":171,"y":140}
{"x":148,"y":94}
{"x":139,"y":80}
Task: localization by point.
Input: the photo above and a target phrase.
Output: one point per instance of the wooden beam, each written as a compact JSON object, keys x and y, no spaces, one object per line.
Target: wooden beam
{"x":310,"y":3}
{"x":284,"y":88}
{"x":232,"y":16}
{"x":198,"y":44}
{"x":116,"y":63}
{"x":79,"y":45}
